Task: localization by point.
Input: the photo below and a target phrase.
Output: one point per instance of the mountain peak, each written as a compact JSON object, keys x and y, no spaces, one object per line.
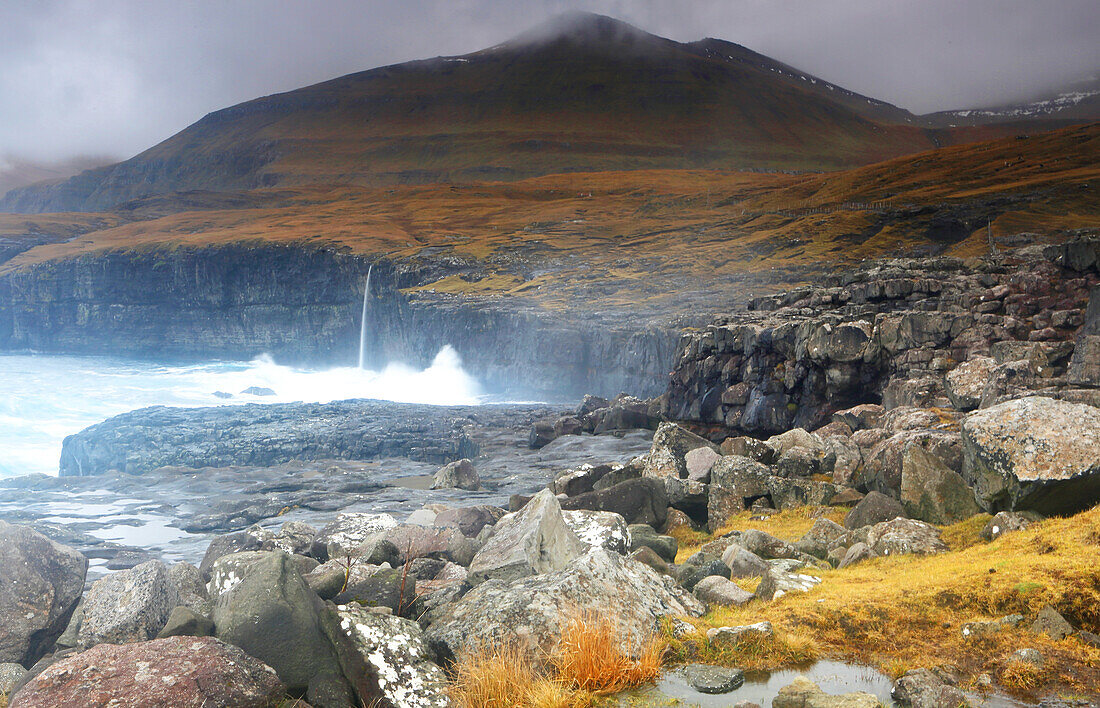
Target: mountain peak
{"x":586,"y":28}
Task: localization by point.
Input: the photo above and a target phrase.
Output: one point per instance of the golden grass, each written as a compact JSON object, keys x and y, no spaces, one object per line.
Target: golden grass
{"x":3,"y":701}
{"x":755,"y":653}
{"x":788,"y":524}
{"x":908,"y":611}
{"x":589,"y":661}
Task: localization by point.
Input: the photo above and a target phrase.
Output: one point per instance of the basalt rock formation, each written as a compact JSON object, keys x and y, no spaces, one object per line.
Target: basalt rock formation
{"x":886,"y":333}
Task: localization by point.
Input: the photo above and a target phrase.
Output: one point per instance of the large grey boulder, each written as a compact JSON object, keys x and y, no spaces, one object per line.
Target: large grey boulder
{"x":744,"y":476}
{"x":273,"y":615}
{"x":922,"y":688}
{"x":182,"y":672}
{"x":744,"y":563}
{"x":460,"y":474}
{"x":532,"y":611}
{"x":349,"y":531}
{"x":253,"y":538}
{"x":905,"y":536}
{"x":872,"y":509}
{"x":716,"y":590}
{"x":599,"y":528}
{"x":10,"y":674}
{"x":1033,"y":453}
{"x":230,"y":570}
{"x":639,"y":501}
{"x":821,"y":538}
{"x":671,"y":444}
{"x":128,"y":606}
{"x":40,"y":584}
{"x":778,"y":582}
{"x":1006,"y":522}
{"x":190,"y":588}
{"x":966,"y":382}
{"x":932,"y":492}
{"x":385,"y":658}
{"x":534,"y":540}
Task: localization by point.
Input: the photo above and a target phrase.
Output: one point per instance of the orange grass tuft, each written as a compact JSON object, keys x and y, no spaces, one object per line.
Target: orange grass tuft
{"x":591,"y":657}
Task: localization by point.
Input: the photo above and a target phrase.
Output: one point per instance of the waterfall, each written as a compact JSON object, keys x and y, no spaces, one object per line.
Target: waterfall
{"x":363,"y":322}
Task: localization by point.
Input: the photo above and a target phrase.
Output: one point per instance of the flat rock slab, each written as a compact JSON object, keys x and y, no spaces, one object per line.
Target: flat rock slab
{"x":266,"y":435}
{"x":713,"y":679}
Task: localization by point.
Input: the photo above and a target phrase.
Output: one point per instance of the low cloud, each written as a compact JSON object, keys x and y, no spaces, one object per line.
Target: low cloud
{"x":86,"y":77}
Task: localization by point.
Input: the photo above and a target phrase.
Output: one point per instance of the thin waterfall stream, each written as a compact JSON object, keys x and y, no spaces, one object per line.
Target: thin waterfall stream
{"x":363,"y":322}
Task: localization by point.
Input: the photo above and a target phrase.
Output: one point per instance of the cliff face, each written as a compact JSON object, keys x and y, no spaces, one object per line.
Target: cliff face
{"x":303,"y":306}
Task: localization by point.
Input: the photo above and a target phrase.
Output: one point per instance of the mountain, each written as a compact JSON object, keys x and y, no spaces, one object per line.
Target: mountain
{"x":1080,"y":101}
{"x":16,"y":172}
{"x":581,"y":93}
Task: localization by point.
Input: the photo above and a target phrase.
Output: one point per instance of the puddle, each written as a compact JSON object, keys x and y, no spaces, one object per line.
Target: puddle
{"x":834,"y":677}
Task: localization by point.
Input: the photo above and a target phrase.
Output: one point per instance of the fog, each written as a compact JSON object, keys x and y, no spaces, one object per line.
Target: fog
{"x":82,"y":77}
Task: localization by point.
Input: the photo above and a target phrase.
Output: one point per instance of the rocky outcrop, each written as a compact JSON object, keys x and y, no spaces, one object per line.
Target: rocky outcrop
{"x":266,"y":435}
{"x":885,"y":333}
{"x":460,"y":474}
{"x":803,"y":693}
{"x":184,"y":672}
{"x":533,"y":611}
{"x":42,"y":583}
{"x":1034,"y":454}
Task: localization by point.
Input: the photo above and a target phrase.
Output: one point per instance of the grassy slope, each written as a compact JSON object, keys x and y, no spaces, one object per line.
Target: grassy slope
{"x":905,"y":612}
{"x":630,"y":238}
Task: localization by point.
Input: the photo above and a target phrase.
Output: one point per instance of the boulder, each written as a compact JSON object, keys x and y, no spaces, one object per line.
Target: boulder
{"x":599,"y":528}
{"x":230,"y":570}
{"x":713,"y":680}
{"x":253,"y":538}
{"x":643,"y":535}
{"x":190,"y":588}
{"x":874,"y":508}
{"x":744,"y":476}
{"x":699,"y":461}
{"x":751,"y":448}
{"x":532,"y":611}
{"x":671,"y":444}
{"x":639,"y":501}
{"x":459,"y":474}
{"x":857,"y":552}
{"x":932,"y":492}
{"x":274,"y":616}
{"x":294,"y":537}
{"x":579,"y":480}
{"x":10,"y":674}
{"x":791,"y":493}
{"x":821,"y":537}
{"x":413,"y":541}
{"x":42,"y":583}
{"x":182,"y":672}
{"x":1033,"y":453}
{"x":534,"y":540}
{"x":776,"y":583}
{"x":469,"y":519}
{"x":882,"y":464}
{"x":766,"y":546}
{"x":692,"y":573}
{"x":731,"y":637}
{"x":379,"y":587}
{"x":348,"y":532}
{"x":744,"y":563}
{"x":648,"y":556}
{"x":185,"y":622}
{"x":865,"y":415}
{"x":1051,"y":623}
{"x":128,"y":606}
{"x":716,"y":590}
{"x":965,"y":383}
{"x":385,"y":658}
{"x":904,"y":536}
{"x":794,"y":438}
{"x":921,"y":688}
{"x":798,"y":462}
{"x":1005,"y":522}
{"x":804,"y":693}
{"x":722,"y":505}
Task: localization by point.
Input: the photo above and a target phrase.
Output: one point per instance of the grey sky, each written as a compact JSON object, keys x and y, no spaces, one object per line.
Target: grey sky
{"x":116,"y":76}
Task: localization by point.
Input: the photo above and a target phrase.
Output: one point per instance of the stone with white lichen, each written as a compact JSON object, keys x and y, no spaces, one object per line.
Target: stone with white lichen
{"x":385,"y":658}
{"x":1033,"y":453}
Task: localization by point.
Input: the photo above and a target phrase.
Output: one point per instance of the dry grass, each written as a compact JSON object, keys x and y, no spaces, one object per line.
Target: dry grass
{"x":904,"y":612}
{"x":755,"y":653}
{"x":789,"y":525}
{"x":591,"y":657}
{"x":3,"y":701}
{"x":589,"y":661}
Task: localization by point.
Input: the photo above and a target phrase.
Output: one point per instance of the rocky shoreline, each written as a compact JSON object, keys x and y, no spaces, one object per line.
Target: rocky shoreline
{"x":892,"y":412}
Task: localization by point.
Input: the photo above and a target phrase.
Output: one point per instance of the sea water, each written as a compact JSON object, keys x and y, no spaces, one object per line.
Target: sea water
{"x":44,"y":398}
